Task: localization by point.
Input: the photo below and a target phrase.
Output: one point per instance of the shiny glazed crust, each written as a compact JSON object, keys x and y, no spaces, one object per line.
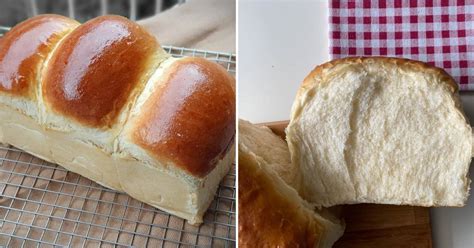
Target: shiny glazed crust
{"x":97,"y":68}
{"x":190,"y":119}
{"x":22,"y":53}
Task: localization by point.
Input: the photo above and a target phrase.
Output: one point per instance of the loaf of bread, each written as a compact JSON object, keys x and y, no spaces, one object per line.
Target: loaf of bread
{"x":104,"y":100}
{"x":380,"y":130}
{"x":271,"y":213}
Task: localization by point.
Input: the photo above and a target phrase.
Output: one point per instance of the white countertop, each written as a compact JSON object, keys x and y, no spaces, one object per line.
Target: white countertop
{"x":279,"y":43}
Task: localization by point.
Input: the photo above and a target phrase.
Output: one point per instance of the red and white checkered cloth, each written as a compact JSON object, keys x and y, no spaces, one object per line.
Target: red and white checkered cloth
{"x":439,"y":32}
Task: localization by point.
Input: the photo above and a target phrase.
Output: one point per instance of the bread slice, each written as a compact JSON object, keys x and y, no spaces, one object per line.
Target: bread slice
{"x":271,"y":213}
{"x":272,"y":149}
{"x":380,"y":130}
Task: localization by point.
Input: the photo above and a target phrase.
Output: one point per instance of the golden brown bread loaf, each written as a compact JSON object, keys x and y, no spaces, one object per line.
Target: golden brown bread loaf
{"x":104,"y":100}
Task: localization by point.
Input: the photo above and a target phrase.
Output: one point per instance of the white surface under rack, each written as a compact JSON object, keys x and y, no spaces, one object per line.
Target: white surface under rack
{"x":44,"y":205}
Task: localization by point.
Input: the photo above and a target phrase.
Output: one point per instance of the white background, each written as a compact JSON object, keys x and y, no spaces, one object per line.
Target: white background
{"x":280,"y":42}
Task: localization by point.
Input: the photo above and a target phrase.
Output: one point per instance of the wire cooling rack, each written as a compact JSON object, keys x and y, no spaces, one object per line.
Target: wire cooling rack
{"x":44,"y":205}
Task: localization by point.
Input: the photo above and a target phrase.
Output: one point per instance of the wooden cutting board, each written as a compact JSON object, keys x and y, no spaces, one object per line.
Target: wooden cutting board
{"x":372,"y":225}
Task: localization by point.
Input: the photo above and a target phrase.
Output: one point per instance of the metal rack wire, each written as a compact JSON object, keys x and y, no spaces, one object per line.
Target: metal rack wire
{"x":44,"y":205}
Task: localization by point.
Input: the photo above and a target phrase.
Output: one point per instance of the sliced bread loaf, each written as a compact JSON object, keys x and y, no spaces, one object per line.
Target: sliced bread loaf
{"x":380,"y":130}
{"x":271,"y":213}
